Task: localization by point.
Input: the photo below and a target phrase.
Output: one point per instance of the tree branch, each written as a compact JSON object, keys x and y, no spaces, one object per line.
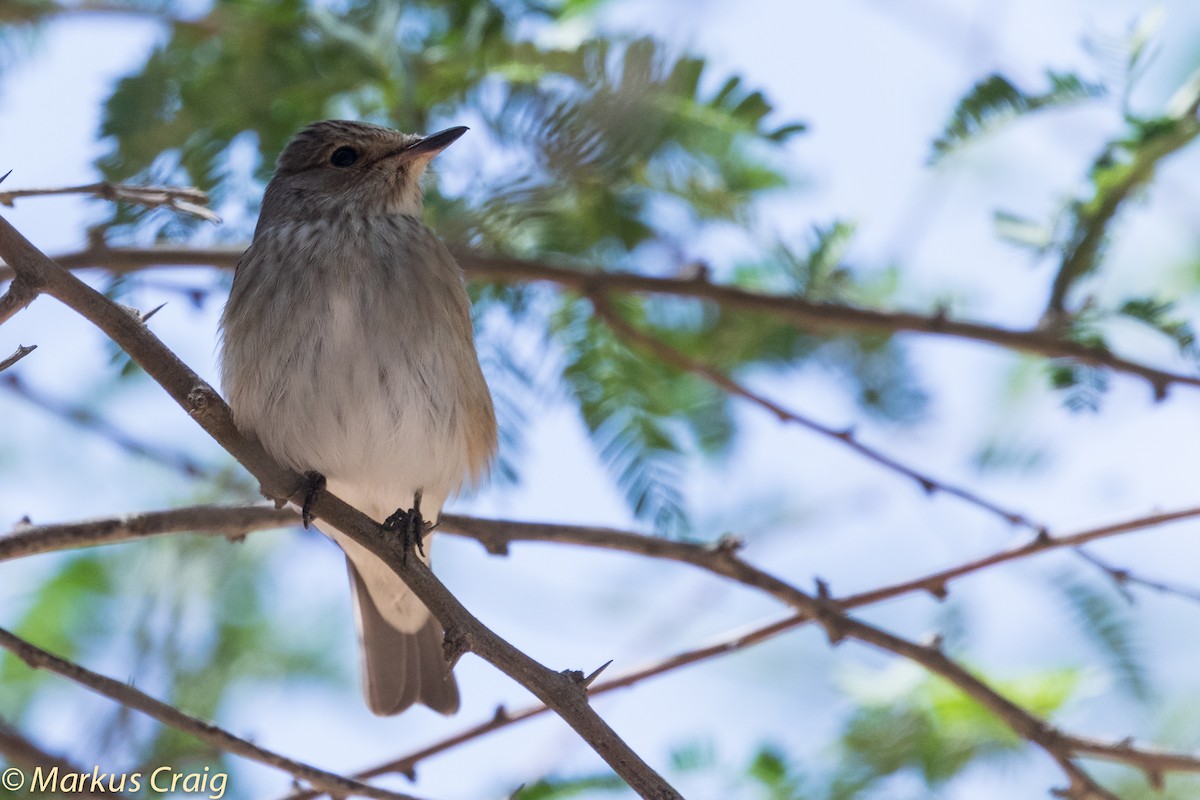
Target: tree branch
{"x":562,"y":691}
{"x":130,"y":697}
{"x":1095,"y":215}
{"x":231,"y":522}
{"x":22,"y":351}
{"x":806,"y":315}
{"x":184,"y":199}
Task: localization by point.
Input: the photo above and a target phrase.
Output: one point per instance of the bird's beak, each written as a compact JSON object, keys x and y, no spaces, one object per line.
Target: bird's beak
{"x":429,"y":146}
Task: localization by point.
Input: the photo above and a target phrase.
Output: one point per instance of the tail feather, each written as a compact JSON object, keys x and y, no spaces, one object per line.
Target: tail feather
{"x":399,"y":668}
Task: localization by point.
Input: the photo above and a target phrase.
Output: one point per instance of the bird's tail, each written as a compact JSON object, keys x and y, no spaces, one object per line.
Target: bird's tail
{"x":400,"y":668}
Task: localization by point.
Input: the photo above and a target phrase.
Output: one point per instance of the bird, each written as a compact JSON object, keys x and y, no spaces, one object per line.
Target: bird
{"x":347,"y":350}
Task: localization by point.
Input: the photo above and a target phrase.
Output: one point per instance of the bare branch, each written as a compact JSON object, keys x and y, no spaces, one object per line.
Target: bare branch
{"x":806,"y":315}
{"x":231,"y":522}
{"x":22,"y":351}
{"x":556,"y":689}
{"x":184,"y":199}
{"x":1124,"y":577}
{"x":130,"y":697}
{"x":683,"y":362}
{"x":936,"y":583}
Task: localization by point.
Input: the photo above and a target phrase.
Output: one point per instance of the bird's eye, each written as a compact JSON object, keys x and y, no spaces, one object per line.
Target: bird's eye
{"x":343,"y":157}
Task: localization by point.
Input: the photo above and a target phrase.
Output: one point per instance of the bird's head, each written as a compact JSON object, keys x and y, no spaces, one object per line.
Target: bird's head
{"x":338,"y":167}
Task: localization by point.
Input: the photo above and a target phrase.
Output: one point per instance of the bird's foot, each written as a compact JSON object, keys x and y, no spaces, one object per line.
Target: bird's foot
{"x":316,"y":484}
{"x":411,"y":527}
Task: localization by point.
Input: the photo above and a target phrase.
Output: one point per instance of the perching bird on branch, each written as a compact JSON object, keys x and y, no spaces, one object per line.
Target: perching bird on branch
{"x":347,"y":350}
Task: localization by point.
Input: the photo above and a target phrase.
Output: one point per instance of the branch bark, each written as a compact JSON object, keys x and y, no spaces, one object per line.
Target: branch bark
{"x":231,"y":522}
{"x":813,"y":317}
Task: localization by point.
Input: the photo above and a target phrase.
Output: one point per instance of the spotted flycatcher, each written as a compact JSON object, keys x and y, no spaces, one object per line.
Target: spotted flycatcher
{"x":347,"y":351}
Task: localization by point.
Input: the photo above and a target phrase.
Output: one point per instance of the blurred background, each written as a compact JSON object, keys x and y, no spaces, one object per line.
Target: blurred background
{"x":916,"y":154}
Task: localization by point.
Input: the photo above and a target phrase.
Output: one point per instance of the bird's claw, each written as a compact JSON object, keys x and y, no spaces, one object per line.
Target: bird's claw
{"x":411,"y":527}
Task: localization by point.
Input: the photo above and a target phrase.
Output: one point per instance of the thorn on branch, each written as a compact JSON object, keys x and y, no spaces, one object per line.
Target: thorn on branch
{"x":1161,"y":389}
{"x":728,"y":545}
{"x":698,"y":271}
{"x":495,"y":547}
{"x":151,"y":313}
{"x":2,"y":179}
{"x":939,"y":590}
{"x":930,"y":487}
{"x":501,"y":715}
{"x":590,"y":679}
{"x":829,"y":616}
{"x":96,"y":238}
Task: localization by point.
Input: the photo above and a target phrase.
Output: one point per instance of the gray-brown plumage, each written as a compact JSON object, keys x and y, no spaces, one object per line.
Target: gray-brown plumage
{"x":347,"y":349}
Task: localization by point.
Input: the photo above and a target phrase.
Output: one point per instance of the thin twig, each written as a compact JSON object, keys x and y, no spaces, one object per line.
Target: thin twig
{"x":464,"y":632}
{"x":184,"y":199}
{"x":806,"y":315}
{"x":936,"y":583}
{"x":22,"y":351}
{"x":206,"y":732}
{"x":1124,"y":577}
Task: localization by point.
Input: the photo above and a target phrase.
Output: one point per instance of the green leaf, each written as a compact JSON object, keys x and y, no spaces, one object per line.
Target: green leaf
{"x":924,"y":723}
{"x":771,"y":770}
{"x":996,"y":100}
{"x":1157,"y":314}
{"x":1108,"y":626}
{"x":556,"y":788}
{"x":1023,"y":231}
